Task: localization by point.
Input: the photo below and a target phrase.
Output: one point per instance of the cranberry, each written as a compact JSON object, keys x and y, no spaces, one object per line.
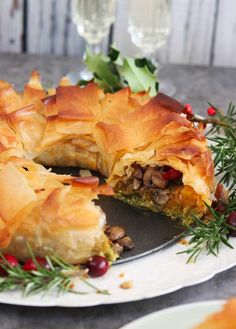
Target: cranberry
{"x":30,"y":265}
{"x":97,"y":266}
{"x":231,"y":220}
{"x":211,"y":111}
{"x":11,"y":260}
{"x":172,"y":174}
{"x":218,"y":206}
{"x":188,"y":111}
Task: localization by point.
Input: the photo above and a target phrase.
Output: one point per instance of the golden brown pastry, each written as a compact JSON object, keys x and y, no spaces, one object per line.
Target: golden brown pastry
{"x":152,"y":155}
{"x":225,"y":319}
{"x":52,"y":213}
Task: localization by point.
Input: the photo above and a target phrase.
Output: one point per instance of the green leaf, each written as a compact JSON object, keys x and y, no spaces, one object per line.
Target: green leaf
{"x":142,"y":62}
{"x":114,"y":54}
{"x":104,"y":70}
{"x":138,"y":78}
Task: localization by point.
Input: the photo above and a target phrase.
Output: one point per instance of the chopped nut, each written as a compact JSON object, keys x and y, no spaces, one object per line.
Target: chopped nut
{"x":115,"y":233}
{"x":84,"y":273}
{"x":126,"y":285}
{"x":118,"y":248}
{"x":71,"y":286}
{"x":126,"y":243}
{"x":183,"y":242}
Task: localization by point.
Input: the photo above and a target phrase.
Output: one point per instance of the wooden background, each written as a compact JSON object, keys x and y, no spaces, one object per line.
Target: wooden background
{"x":203,"y":31}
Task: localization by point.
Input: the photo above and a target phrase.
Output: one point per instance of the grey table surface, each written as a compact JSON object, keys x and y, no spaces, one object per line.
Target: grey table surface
{"x":195,"y":85}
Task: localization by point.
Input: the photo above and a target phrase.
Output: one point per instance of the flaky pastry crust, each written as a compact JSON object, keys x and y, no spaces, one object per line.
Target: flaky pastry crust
{"x":75,"y":126}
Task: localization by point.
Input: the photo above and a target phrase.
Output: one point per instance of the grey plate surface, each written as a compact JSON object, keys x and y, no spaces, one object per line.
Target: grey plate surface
{"x":149,"y":231}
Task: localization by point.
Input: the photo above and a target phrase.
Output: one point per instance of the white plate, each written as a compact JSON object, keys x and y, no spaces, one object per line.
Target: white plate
{"x":158,"y":274}
{"x":181,"y":317}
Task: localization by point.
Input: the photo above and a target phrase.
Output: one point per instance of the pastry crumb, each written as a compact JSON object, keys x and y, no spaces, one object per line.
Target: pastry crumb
{"x":121,"y":275}
{"x":126,"y":285}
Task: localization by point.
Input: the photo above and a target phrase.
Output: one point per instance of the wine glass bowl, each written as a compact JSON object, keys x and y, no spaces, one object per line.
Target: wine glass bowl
{"x":93,"y":19}
{"x":150,"y":31}
{"x":149,"y":25}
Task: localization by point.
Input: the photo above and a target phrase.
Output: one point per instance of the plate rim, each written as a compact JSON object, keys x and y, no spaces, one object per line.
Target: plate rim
{"x":27,"y":303}
{"x":166,"y":311}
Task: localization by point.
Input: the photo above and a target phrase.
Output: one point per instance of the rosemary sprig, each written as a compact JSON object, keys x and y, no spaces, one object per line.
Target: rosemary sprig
{"x":59,"y":276}
{"x":222,"y":121}
{"x":224,"y":146}
{"x":207,"y":236}
{"x":209,"y":233}
{"x":225,"y":157}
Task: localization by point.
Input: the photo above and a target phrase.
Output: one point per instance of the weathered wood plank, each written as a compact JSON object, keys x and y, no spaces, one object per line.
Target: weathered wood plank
{"x":53,"y":31}
{"x":74,"y":43}
{"x":11,"y":25}
{"x":225,"y":39}
{"x":38,"y":26}
{"x":191,"y":37}
{"x":190,"y":40}
{"x":121,"y":37}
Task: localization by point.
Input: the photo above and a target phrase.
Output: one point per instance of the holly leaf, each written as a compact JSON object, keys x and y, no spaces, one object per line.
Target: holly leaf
{"x":139,"y":78}
{"x":112,"y":72}
{"x":103,"y":70}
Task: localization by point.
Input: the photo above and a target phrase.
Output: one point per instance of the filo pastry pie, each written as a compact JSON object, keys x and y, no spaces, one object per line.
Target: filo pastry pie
{"x":51,"y":213}
{"x":153,"y":157}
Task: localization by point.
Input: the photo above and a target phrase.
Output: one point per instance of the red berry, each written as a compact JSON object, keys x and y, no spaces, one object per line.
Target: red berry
{"x":211,"y":111}
{"x":11,"y":260}
{"x":218,"y":206}
{"x":30,"y":265}
{"x":231,"y":220}
{"x":172,"y":174}
{"x":97,"y":266}
{"x":188,"y":111}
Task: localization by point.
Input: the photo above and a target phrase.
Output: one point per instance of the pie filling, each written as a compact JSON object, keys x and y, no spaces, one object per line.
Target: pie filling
{"x":159,"y":189}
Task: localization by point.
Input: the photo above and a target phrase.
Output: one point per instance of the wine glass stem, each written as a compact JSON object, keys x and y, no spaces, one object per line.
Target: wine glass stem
{"x":151,"y":56}
{"x":95,"y":48}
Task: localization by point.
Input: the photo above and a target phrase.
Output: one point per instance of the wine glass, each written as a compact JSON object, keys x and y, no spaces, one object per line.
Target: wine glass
{"x":93,"y":19}
{"x":149,"y":26}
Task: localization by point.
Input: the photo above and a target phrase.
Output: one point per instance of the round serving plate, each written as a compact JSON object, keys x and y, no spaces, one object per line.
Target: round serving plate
{"x":185,"y":316}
